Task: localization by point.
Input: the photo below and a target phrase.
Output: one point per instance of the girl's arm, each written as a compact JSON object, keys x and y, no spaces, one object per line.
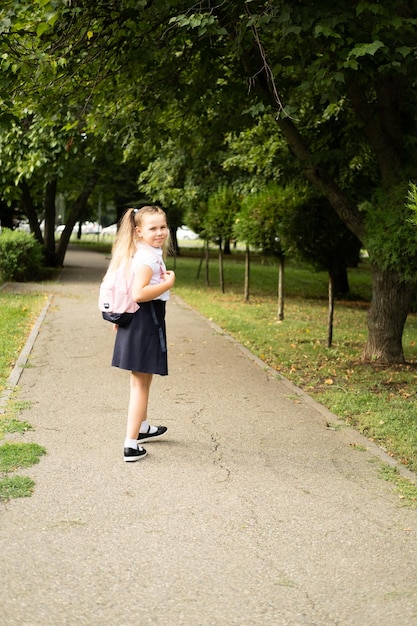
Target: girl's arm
{"x":142,"y":291}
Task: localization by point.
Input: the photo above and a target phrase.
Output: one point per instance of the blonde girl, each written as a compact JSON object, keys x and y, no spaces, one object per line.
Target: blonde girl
{"x":141,"y":345}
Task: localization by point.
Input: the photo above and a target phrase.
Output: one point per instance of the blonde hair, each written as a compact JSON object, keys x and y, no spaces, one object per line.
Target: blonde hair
{"x":125,"y":243}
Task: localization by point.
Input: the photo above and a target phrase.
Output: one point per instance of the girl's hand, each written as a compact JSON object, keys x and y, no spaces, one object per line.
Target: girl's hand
{"x":169,"y":277}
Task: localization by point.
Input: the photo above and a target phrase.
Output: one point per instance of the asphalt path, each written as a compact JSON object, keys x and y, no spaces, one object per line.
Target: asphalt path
{"x":251,"y":512}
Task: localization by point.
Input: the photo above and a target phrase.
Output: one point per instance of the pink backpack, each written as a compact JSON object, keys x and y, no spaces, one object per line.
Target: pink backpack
{"x":115,"y":300}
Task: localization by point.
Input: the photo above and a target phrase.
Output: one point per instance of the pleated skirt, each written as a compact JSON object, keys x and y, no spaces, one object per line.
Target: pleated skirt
{"x":141,"y":345}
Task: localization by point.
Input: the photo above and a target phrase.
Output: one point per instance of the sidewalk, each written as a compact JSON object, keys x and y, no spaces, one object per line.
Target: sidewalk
{"x":250,"y":513}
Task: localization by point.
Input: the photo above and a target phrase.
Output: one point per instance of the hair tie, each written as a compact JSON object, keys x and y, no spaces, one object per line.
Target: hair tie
{"x":133,"y":213}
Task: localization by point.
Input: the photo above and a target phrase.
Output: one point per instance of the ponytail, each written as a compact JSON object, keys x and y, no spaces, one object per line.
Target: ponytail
{"x":125,"y":243}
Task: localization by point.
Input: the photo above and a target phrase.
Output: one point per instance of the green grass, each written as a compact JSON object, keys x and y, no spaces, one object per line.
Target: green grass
{"x":16,"y":455}
{"x":13,"y":456}
{"x":12,"y":425}
{"x":406,"y":489}
{"x":19,"y":313}
{"x":16,"y":487}
{"x":9,"y":421}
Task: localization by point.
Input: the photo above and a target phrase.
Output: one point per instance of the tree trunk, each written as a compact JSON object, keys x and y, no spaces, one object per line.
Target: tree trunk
{"x":391,"y":301}
{"x":318,"y":176}
{"x":75,"y":214}
{"x":247,"y":273}
{"x":207,"y":265}
{"x":281,"y":288}
{"x":330,"y":315}
{"x":203,"y":252}
{"x":174,"y":247}
{"x":340,"y":280}
{"x":49,"y":223}
{"x":30,"y":211}
{"x":221,"y":268}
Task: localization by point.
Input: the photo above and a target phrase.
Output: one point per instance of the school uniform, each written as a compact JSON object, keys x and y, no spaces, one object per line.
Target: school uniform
{"x":141,"y":345}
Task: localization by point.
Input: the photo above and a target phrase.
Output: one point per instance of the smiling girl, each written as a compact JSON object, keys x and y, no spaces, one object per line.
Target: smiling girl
{"x":141,"y":345}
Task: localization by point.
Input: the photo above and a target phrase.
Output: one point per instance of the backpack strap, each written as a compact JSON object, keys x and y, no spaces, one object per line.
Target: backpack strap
{"x":159,"y":327}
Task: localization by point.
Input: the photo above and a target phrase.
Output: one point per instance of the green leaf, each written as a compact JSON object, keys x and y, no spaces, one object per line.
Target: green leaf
{"x":5,"y":24}
{"x":366,"y":48}
{"x":339,"y":77}
{"x":321,"y":29}
{"x":52,"y":18}
{"x":351,"y":64}
{"x":404,"y":51}
{"x":366,"y":6}
{"x":41,"y":28}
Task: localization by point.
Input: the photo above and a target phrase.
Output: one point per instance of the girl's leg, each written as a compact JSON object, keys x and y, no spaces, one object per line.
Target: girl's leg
{"x":138,"y":402}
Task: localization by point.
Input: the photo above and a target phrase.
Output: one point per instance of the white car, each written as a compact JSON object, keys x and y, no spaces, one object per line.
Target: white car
{"x":109,"y":230}
{"x":24,"y":226}
{"x":183,"y":232}
{"x":87,"y":228}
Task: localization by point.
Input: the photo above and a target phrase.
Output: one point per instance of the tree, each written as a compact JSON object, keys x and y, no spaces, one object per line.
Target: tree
{"x":339,"y":81}
{"x":314,"y":233}
{"x":60,"y":124}
{"x":318,"y":236}
{"x":259,"y":225}
{"x":351,"y":63}
{"x":222,"y":209}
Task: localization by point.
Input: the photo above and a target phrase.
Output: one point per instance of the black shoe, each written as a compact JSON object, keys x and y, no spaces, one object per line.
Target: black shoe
{"x":161,"y":430}
{"x":130,"y":454}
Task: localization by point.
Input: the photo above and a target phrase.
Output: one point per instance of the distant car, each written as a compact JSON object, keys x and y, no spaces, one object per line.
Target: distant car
{"x":109,"y":230}
{"x":90,"y":228}
{"x":183,"y":232}
{"x":87,"y":228}
{"x":23,"y":226}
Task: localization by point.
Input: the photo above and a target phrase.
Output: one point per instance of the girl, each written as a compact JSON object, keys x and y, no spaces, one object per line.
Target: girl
{"x":141,"y":345}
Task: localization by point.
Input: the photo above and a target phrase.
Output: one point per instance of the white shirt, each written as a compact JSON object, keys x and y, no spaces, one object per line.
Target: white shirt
{"x":152,"y":257}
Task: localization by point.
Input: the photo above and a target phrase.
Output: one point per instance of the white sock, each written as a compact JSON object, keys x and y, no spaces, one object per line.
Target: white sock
{"x":131,"y":443}
{"x":145,"y":426}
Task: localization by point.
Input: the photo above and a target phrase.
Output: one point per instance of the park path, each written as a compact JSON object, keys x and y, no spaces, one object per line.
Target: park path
{"x":250,"y":513}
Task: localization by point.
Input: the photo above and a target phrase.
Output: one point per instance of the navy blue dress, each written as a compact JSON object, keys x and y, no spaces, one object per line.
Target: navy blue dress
{"x":141,"y":345}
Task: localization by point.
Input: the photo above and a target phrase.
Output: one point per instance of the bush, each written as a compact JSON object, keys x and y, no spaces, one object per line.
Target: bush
{"x":21,"y":256}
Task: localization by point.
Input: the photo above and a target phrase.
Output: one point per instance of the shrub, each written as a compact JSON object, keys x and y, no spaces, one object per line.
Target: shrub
{"x":21,"y":256}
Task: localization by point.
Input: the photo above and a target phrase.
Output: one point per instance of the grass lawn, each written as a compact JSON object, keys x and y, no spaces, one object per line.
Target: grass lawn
{"x":19,"y":313}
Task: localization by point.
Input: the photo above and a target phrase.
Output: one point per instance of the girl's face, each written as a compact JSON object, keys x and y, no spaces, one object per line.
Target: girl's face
{"x":153,"y":230}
